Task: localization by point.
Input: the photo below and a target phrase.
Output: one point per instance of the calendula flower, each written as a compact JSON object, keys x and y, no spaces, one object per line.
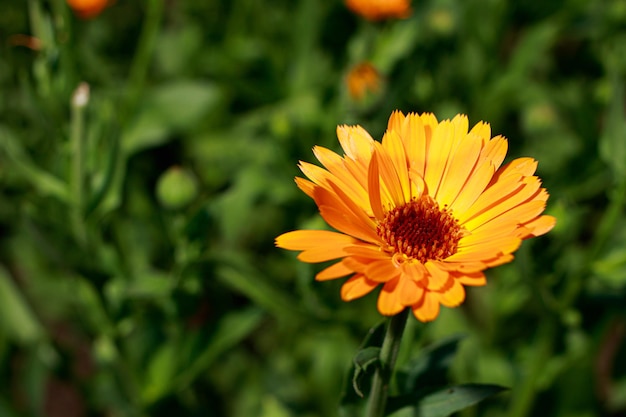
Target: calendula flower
{"x":380,"y":9}
{"x":86,"y":9}
{"x":363,"y":78}
{"x":421,"y":214}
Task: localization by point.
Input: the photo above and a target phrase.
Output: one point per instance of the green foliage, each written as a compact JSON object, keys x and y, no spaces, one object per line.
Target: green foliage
{"x":128,"y":291}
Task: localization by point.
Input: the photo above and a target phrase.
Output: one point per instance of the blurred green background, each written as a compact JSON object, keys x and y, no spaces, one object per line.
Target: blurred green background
{"x":138,"y":275}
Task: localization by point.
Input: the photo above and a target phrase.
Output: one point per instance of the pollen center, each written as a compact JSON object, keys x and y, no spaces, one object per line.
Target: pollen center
{"x":421,"y":230}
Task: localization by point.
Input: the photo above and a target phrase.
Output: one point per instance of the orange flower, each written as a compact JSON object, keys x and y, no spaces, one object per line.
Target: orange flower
{"x":380,"y":9}
{"x":361,"y":79}
{"x":86,"y":9}
{"x":421,"y":214}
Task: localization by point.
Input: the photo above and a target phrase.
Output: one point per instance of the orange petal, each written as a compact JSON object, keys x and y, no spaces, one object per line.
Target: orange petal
{"x":427,"y":309}
{"x":337,"y":270}
{"x":396,"y":120}
{"x":343,"y":178}
{"x":305,"y":185}
{"x":382,"y":270}
{"x":346,"y":218}
{"x":453,"y":295}
{"x":373,"y":188}
{"x":389,"y":299}
{"x":475,"y":279}
{"x":540,"y":226}
{"x":356,"y":287}
{"x":409,"y":291}
{"x":437,"y":278}
{"x":415,"y":271}
{"x":317,"y":245}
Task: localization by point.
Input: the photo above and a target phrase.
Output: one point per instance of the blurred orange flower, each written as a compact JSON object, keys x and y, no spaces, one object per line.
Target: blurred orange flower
{"x":421,"y":213}
{"x":87,"y":9}
{"x":361,"y":79}
{"x":380,"y":9}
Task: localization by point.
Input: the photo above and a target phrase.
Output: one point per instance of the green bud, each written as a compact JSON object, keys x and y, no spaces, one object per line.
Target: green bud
{"x":176,"y":188}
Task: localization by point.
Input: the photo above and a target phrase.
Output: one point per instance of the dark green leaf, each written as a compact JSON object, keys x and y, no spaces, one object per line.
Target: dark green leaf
{"x":366,"y":356}
{"x":431,"y":367}
{"x":365,"y":360}
{"x":449,"y":400}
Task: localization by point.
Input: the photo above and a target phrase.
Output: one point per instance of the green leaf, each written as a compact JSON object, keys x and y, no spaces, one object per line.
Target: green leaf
{"x":365,"y":362}
{"x":366,"y":356}
{"x":161,"y":368}
{"x":171,"y":107}
{"x":22,"y":164}
{"x":449,"y":400}
{"x":613,"y":140}
{"x":231,"y":329}
{"x":16,"y":317}
{"x":431,"y":367}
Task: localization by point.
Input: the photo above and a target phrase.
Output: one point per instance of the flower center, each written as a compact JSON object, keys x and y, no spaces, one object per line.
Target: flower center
{"x":420,"y":230}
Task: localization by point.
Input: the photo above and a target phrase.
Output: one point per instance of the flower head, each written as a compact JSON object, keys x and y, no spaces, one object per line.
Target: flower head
{"x":87,"y":9}
{"x":380,"y":9}
{"x":421,"y":214}
{"x":362,"y":79}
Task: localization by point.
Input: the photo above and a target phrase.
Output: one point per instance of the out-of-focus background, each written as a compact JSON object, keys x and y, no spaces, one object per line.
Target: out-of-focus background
{"x":147,"y":156}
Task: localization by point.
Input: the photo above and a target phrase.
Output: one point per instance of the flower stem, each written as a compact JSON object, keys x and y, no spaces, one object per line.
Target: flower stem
{"x":388,"y":354}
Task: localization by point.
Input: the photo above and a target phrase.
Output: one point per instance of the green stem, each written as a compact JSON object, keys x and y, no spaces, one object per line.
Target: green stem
{"x":77,"y":178}
{"x":388,"y":355}
{"x":143,"y":55}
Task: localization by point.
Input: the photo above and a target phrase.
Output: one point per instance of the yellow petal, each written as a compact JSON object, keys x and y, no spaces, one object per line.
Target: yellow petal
{"x":391,"y":190}
{"x":477,"y":182}
{"x":460,"y":166}
{"x":416,"y":143}
{"x":495,"y":150}
{"x":356,"y":143}
{"x":392,"y":143}
{"x":438,"y":155}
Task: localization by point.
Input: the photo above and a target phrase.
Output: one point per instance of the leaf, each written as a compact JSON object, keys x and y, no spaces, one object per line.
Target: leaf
{"x":366,"y":356}
{"x":161,"y":369}
{"x":365,"y":360}
{"x":613,"y":139}
{"x":175,"y":106}
{"x":231,"y":329}
{"x":449,"y":400}
{"x":431,"y":367}
{"x":16,"y":317}
{"x":22,"y":164}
